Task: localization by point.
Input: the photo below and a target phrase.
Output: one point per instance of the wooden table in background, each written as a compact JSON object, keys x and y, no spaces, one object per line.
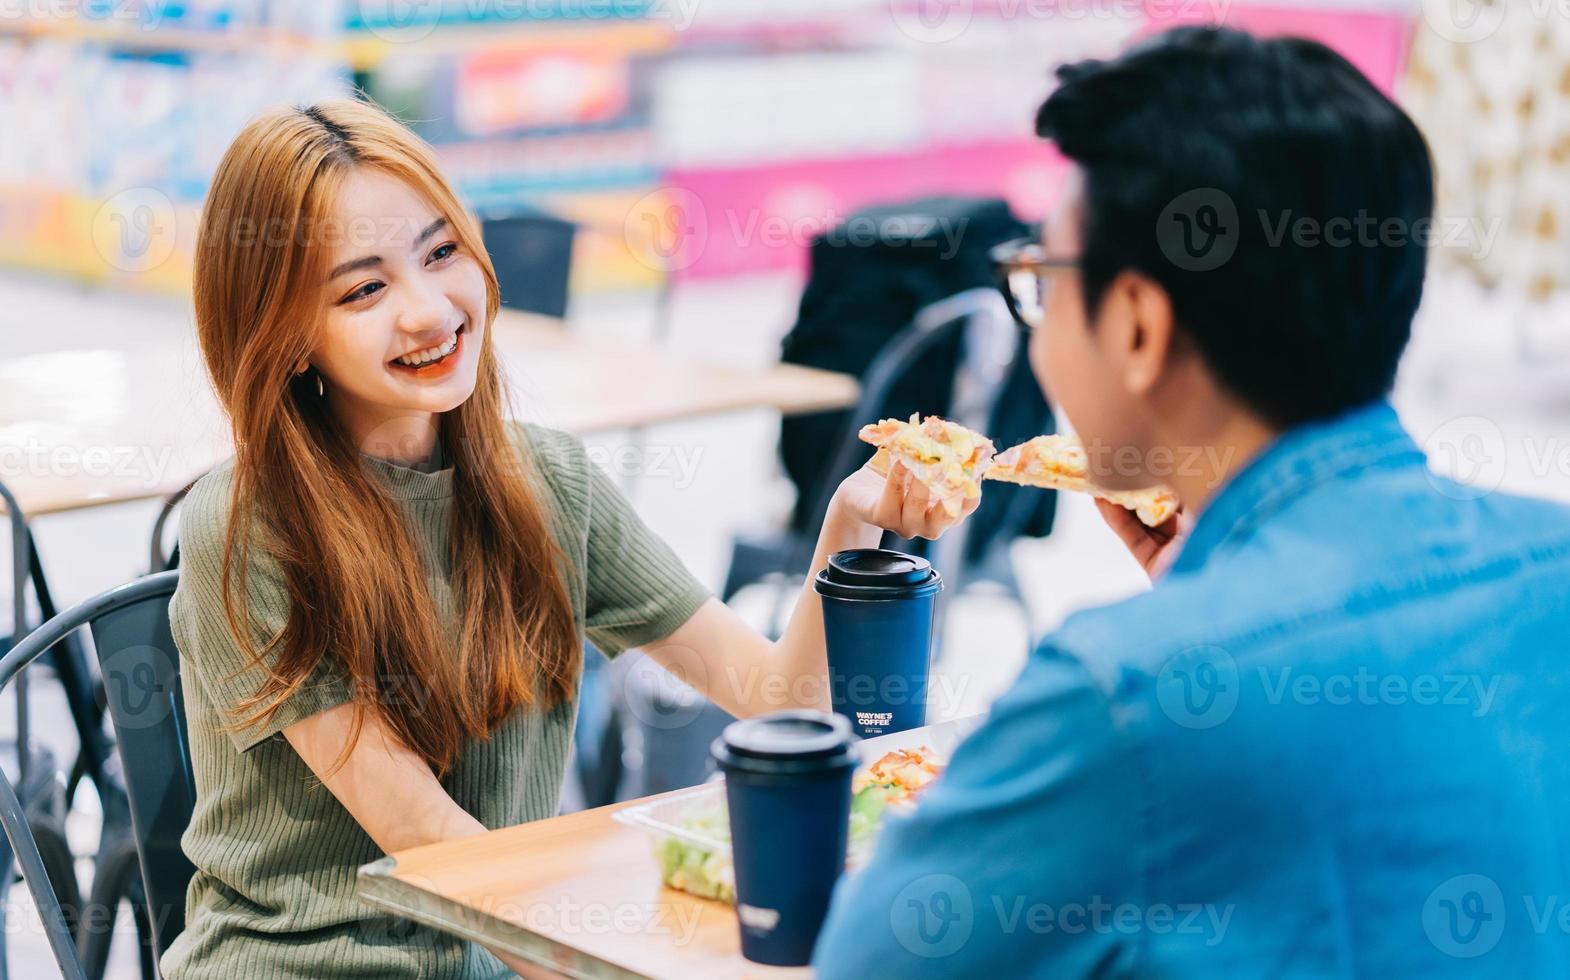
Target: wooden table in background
{"x":580,"y":893}
{"x":80,"y":428}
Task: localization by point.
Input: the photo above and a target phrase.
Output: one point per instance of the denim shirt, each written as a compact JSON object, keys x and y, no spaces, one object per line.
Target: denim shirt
{"x":1332,"y":741}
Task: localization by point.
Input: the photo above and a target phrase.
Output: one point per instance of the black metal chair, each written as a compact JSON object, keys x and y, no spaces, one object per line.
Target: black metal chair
{"x":532,"y":254}
{"x":137,"y":657}
{"x":157,"y":559}
{"x":45,"y":793}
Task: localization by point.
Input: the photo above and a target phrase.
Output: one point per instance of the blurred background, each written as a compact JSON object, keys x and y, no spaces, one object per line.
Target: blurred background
{"x":723,"y":182}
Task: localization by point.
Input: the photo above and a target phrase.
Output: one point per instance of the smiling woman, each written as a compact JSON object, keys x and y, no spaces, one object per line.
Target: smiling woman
{"x":385,"y":596}
{"x":308,"y":557}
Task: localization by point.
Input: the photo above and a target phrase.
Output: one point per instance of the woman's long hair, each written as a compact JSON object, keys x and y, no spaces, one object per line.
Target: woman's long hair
{"x":354,"y":575}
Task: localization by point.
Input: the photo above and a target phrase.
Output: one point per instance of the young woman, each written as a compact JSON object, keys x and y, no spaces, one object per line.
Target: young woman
{"x":385,"y":594}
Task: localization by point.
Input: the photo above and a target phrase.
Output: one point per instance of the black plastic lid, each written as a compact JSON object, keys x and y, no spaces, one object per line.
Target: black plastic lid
{"x":798,"y":740}
{"x":874,"y":573}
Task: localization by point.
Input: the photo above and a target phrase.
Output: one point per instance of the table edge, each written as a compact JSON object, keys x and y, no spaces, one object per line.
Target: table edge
{"x":379,"y":887}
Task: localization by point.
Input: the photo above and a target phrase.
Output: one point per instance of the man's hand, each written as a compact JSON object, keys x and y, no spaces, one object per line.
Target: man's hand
{"x":1155,"y":548}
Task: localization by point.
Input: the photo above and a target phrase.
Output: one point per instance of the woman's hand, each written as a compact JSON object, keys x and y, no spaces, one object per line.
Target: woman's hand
{"x":1155,"y":548}
{"x":898,"y":503}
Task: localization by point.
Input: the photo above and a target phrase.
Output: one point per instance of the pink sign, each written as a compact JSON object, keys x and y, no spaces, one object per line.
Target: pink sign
{"x":738,"y":220}
{"x":1373,"y":40}
{"x":763,"y":218}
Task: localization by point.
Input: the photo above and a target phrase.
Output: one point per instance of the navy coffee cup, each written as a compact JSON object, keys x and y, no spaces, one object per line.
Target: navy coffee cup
{"x":878,"y":609}
{"x":787,"y":787}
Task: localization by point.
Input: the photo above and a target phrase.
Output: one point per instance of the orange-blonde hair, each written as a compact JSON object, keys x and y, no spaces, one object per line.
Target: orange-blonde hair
{"x":353,"y":572}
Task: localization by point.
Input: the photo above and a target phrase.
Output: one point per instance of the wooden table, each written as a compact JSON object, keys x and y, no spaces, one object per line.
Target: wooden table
{"x":80,"y":428}
{"x":580,"y":893}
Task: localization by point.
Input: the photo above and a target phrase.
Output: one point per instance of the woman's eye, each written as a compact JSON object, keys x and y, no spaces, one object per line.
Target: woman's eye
{"x":443,"y":251}
{"x":369,"y":289}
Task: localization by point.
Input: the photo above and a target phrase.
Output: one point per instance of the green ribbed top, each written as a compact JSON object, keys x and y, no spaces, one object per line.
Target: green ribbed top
{"x":276,"y":855}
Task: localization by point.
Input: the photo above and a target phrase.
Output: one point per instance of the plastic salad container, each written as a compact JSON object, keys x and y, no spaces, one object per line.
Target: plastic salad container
{"x":691,"y":831}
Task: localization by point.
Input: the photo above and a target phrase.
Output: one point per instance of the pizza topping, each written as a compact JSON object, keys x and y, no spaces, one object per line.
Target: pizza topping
{"x":1059,"y":462}
{"x":946,"y":457}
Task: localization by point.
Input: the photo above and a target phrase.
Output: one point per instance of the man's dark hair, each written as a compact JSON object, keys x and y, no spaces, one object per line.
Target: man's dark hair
{"x":1202,"y":150}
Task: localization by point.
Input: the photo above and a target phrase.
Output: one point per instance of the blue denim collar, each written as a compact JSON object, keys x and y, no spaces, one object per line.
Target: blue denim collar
{"x":1299,"y":460}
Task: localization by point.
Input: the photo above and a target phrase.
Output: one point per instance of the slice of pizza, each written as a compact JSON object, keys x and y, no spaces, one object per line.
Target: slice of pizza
{"x":906,"y":772}
{"x":945,"y":456}
{"x":1059,"y":463}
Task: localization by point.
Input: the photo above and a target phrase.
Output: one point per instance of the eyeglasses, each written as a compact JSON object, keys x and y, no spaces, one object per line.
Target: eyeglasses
{"x":1021,"y":266}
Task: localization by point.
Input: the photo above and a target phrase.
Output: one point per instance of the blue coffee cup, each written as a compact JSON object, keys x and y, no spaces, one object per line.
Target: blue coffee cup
{"x":787,"y":787}
{"x":878,"y":609}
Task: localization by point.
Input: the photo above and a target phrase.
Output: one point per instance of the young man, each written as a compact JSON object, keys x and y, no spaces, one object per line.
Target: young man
{"x":1334,"y":739}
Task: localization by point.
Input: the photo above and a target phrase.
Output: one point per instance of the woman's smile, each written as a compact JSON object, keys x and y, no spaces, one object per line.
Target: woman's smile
{"x":434,"y":362}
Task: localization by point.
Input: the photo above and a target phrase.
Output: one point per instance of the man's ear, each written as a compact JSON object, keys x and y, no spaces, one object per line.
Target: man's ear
{"x":1137,"y":320}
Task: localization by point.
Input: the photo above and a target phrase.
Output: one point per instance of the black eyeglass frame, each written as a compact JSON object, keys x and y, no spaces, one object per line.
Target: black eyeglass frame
{"x":1026,"y":255}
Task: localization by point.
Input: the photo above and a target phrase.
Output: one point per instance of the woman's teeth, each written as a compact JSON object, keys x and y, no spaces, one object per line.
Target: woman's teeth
{"x":430,"y":354}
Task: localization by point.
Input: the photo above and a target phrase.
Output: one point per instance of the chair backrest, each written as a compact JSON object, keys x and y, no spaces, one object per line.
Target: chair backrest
{"x":141,"y":671}
{"x":532,"y":255}
{"x":157,"y":561}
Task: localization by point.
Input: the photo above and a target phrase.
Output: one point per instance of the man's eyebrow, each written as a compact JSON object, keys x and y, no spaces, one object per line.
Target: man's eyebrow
{"x":369,"y":260}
